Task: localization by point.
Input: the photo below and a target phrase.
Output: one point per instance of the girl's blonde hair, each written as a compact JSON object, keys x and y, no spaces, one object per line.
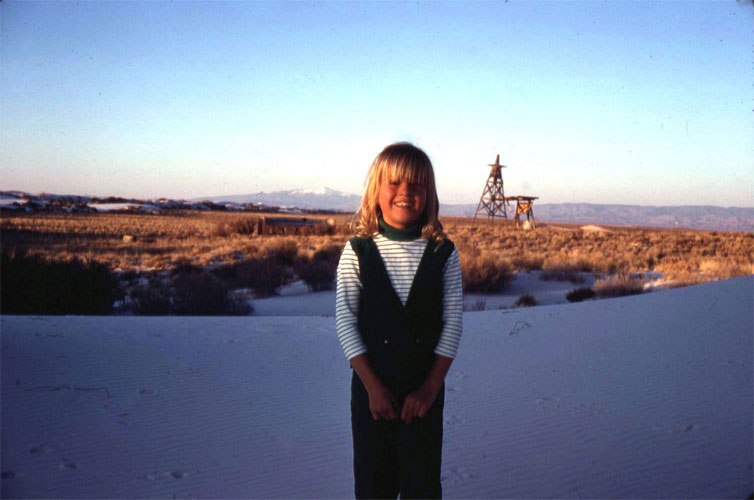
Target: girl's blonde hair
{"x":401,"y":161}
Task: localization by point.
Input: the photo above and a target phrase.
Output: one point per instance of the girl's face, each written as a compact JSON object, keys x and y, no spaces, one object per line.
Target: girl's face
{"x":402,"y":203}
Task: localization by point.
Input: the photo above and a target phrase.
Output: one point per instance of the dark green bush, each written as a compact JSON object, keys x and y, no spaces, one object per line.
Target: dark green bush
{"x":35,"y":285}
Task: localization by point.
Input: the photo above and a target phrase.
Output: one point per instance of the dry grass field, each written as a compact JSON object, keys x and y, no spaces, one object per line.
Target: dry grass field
{"x":152,"y":242}
{"x":161,"y":242}
{"x":138,"y":246}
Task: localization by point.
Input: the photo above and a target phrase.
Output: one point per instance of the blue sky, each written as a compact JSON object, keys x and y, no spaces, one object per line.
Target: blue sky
{"x":647,"y":103}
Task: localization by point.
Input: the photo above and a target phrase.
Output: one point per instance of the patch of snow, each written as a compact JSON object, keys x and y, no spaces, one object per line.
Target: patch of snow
{"x":13,"y":194}
{"x":316,"y":191}
{"x":110,"y":207}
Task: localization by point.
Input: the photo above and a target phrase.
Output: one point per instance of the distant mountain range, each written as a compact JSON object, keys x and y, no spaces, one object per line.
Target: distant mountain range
{"x":320,"y":199}
{"x":692,"y":217}
{"x":296,"y":201}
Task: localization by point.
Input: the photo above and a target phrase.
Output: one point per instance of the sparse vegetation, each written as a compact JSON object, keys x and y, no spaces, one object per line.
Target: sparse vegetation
{"x":319,"y":271}
{"x":281,"y":251}
{"x":562,"y":273}
{"x":225,"y":245}
{"x":265,"y":276}
{"x":525,"y":300}
{"x":485,"y":274}
{"x":619,"y":285}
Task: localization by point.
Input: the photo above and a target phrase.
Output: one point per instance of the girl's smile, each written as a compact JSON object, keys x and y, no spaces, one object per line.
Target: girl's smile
{"x":401,"y":202}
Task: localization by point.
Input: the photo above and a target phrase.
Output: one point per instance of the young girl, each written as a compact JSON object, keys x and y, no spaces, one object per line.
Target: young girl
{"x":399,"y":317}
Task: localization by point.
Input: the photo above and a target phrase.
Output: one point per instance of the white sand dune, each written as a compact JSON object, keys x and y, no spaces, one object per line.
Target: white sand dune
{"x":640,"y":397}
{"x":592,"y":227}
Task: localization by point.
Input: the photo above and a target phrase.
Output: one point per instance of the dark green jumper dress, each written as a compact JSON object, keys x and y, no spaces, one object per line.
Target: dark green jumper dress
{"x":392,"y":457}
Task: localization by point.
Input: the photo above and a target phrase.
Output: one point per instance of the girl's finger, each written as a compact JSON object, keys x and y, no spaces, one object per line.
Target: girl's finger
{"x":390,"y":412}
{"x":410,"y":411}
{"x":421,"y":411}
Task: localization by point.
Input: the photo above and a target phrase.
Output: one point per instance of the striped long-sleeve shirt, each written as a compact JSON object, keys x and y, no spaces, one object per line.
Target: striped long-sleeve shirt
{"x":402,"y":260}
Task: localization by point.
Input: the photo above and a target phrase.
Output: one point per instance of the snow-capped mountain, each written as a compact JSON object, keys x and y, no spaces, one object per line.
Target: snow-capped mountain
{"x":322,"y":198}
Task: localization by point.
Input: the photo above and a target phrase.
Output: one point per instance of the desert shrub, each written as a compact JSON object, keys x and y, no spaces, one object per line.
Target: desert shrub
{"x":190,"y":291}
{"x":202,"y":294}
{"x":485,"y":274}
{"x":319,"y":271}
{"x":318,"y":274}
{"x":329,"y":253}
{"x":613,"y":265}
{"x":579,"y":294}
{"x":619,"y":285}
{"x":36,"y":285}
{"x":245,"y":225}
{"x":563,"y":273}
{"x":264,"y":275}
{"x":721,"y":270}
{"x":283,"y":252}
{"x":153,"y":299}
{"x":525,"y":300}
{"x":242,"y":225}
{"x":528,"y":262}
{"x":221,"y":229}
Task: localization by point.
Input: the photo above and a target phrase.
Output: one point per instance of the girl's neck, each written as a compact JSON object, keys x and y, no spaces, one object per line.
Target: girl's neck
{"x":393,"y":233}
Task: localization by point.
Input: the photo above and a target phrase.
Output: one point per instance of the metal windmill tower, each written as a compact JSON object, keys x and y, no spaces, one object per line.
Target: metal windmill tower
{"x":492,"y":201}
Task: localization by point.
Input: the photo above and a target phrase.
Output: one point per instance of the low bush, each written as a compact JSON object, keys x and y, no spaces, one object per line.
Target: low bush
{"x":202,"y":294}
{"x":329,"y":253}
{"x":485,"y":274}
{"x":242,"y":226}
{"x":283,"y":252}
{"x":619,"y":285}
{"x":528,"y":263}
{"x":525,"y":300}
{"x":318,"y":274}
{"x":190,"y":291}
{"x":579,"y":294}
{"x":245,"y":225}
{"x":264,"y":276}
{"x":36,"y":285}
{"x":153,"y":299}
{"x":572,"y":274}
